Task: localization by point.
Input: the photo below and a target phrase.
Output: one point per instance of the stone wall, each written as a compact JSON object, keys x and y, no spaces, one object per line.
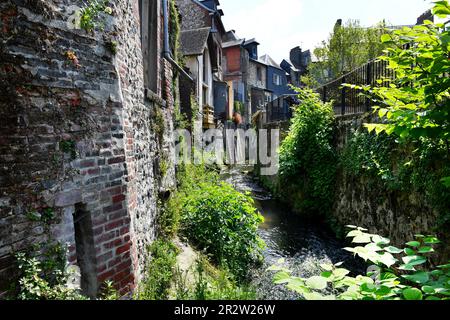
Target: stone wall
{"x":78,"y":134}
{"x":396,"y":215}
{"x":253,"y":75}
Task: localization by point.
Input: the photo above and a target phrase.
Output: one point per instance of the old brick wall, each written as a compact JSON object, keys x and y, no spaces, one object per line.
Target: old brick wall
{"x":76,"y":131}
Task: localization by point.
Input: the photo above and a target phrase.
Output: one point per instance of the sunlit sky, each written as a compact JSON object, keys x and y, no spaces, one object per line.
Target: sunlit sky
{"x":280,"y":25}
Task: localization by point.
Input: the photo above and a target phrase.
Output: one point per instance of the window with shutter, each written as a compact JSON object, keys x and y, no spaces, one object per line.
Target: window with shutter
{"x":148,"y":11}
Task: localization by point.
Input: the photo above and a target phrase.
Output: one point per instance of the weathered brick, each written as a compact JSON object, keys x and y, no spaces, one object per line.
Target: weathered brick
{"x":124,"y":248}
{"x":114,"y":225}
{"x":87,"y":163}
{"x":105,"y":276}
{"x":116,"y":160}
{"x":118,"y":277}
{"x":123,"y":265}
{"x":104,"y":257}
{"x":113,"y":244}
{"x":118,"y":198}
{"x":117,"y":214}
{"x":114,"y":207}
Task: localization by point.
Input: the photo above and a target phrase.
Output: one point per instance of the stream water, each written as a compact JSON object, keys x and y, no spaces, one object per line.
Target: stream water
{"x":304,"y":245}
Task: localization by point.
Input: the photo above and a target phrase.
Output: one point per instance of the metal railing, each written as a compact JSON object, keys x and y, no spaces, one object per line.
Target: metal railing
{"x":350,"y":101}
{"x":280,"y":109}
{"x":345,"y":100}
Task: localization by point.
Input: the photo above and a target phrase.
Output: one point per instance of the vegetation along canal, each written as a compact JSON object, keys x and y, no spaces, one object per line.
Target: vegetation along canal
{"x":303,"y":244}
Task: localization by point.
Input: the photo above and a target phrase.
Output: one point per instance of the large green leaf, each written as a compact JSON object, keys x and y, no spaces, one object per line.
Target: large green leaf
{"x":414,"y":244}
{"x":428,"y":289}
{"x":412,"y":294}
{"x":362,"y":238}
{"x":425,"y":250}
{"x":414,"y":260}
{"x":317,"y":283}
{"x":340,"y":273}
{"x":380,"y":240}
{"x":386,"y":38}
{"x":383,"y":291}
{"x":446,"y":181}
{"x":387,"y":259}
{"x":298,"y":285}
{"x":368,"y":287}
{"x":420,"y":277}
{"x":431,"y":240}
{"x":318,"y":296}
{"x":326,"y":267}
{"x":392,"y":249}
{"x":441,"y":9}
{"x":282,"y":277}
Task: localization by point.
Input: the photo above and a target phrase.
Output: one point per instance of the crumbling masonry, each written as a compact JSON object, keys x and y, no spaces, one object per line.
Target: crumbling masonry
{"x":85,"y":150}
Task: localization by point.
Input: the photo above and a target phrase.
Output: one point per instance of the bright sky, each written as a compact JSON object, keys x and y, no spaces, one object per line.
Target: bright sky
{"x":280,"y":25}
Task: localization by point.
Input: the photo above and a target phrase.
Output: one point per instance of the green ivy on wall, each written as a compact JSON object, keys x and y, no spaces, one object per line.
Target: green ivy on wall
{"x":308,"y":160}
{"x":387,"y":165}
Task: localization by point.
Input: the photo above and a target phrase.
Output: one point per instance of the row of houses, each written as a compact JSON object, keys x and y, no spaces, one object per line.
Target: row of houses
{"x":232,"y":82}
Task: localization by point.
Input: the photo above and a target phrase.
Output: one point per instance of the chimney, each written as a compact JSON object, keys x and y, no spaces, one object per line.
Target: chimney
{"x":296,"y":57}
{"x":425,"y":16}
{"x":338,"y":25}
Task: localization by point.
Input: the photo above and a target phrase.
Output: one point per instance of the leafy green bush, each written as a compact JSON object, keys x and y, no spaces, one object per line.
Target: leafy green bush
{"x":160,"y":271}
{"x":415,"y":103}
{"x":45,"y":278}
{"x":411,"y":148}
{"x":189,"y":177}
{"x":218,"y":219}
{"x":414,"y":106}
{"x":224,"y":222}
{"x":308,"y":160}
{"x":396,"y":274}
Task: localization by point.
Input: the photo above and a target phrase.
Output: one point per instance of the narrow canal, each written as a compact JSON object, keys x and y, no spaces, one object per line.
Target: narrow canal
{"x":304,"y":245}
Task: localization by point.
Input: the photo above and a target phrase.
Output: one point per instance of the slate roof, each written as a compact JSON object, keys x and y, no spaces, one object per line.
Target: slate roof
{"x":247,"y":42}
{"x":266,"y":59}
{"x":232,"y":43}
{"x":193,"y":42}
{"x":292,"y":65}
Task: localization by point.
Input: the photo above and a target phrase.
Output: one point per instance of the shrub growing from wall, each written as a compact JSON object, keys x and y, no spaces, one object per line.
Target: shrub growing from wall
{"x":308,"y":159}
{"x":215,"y":218}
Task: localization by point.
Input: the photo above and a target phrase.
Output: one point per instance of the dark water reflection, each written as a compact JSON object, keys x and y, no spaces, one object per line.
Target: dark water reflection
{"x":303,"y":244}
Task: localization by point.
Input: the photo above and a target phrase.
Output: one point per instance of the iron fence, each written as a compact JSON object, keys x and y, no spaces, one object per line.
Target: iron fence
{"x":280,"y":109}
{"x":348,"y":100}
